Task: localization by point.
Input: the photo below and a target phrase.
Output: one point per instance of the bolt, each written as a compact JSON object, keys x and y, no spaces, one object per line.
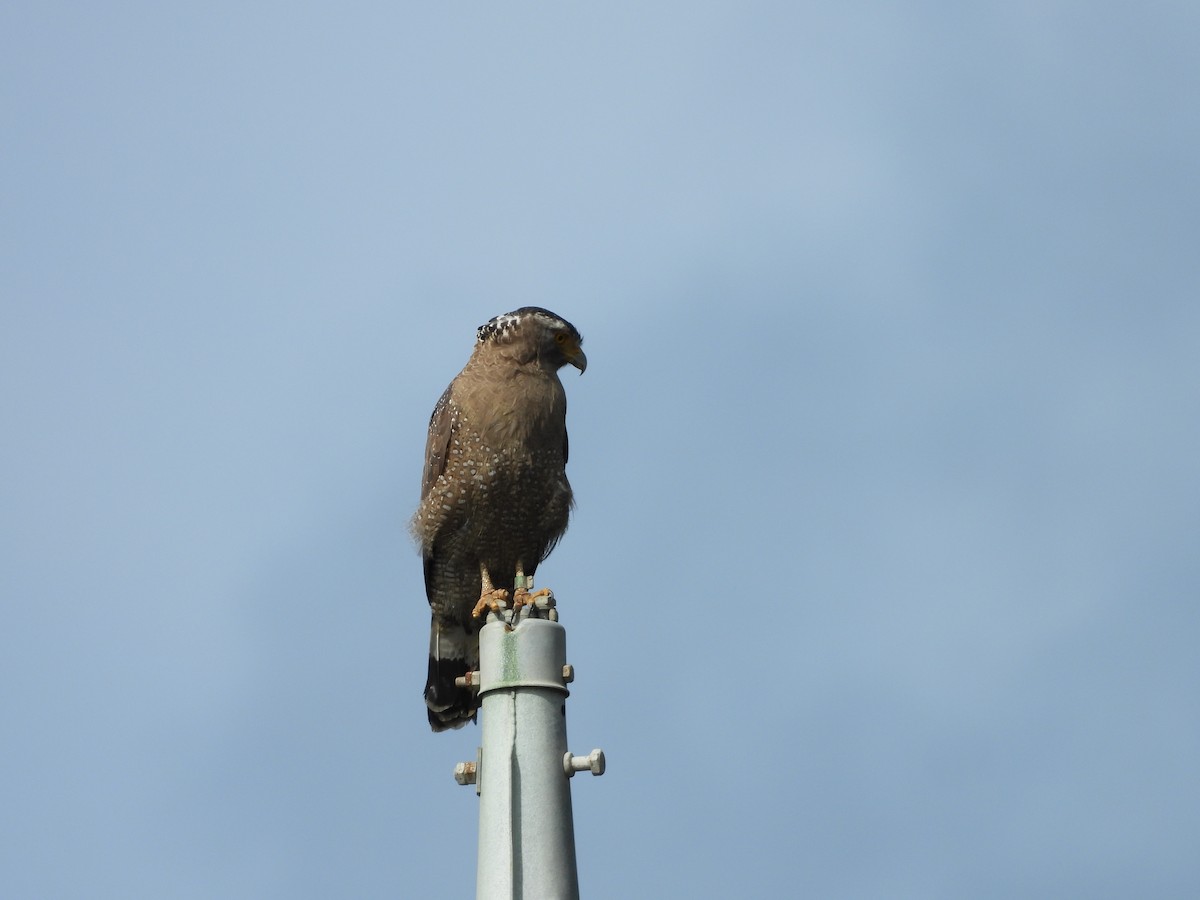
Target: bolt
{"x":593,"y":762}
{"x":464,"y":773}
{"x":470,"y":680}
{"x":568,"y":673}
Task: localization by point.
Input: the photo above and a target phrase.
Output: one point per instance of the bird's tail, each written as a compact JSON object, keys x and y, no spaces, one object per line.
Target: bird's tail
{"x":453,"y":651}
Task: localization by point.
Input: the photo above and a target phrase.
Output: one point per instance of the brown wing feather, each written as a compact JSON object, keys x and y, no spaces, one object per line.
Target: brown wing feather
{"x":437,"y":446}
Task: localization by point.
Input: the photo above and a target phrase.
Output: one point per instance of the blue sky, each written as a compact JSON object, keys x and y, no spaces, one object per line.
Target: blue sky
{"x":883,"y":580}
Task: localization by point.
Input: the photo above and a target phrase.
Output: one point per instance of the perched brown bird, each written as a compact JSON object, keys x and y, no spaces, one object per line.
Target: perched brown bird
{"x":494,"y":496}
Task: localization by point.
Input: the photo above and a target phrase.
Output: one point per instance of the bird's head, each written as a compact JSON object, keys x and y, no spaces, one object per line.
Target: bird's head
{"x":534,"y":333}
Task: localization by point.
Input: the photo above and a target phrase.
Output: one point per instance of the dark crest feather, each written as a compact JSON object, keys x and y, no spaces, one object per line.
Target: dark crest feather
{"x":502,"y":324}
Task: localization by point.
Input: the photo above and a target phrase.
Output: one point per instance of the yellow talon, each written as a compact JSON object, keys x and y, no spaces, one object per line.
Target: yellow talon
{"x":494,"y":600}
{"x":522,"y":597}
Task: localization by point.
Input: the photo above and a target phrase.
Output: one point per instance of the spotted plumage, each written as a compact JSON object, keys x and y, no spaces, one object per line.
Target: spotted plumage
{"x":494,"y":493}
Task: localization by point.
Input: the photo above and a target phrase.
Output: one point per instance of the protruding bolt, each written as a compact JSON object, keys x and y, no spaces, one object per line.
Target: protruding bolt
{"x":593,"y":762}
{"x":470,"y":680}
{"x":568,"y":673}
{"x":464,"y":773}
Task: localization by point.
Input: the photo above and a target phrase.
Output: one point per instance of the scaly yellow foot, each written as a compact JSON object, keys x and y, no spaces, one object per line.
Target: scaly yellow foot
{"x":522,"y":597}
{"x":490,"y":598}
{"x":495,"y":600}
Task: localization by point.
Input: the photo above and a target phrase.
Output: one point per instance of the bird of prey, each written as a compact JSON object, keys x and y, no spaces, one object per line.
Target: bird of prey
{"x":494,"y":494}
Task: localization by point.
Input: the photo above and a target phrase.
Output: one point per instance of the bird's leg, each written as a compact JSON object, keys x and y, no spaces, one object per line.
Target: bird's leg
{"x":522,"y":596}
{"x":490,"y":597}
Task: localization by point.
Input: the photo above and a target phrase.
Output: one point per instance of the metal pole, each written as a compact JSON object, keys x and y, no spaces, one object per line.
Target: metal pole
{"x":526,"y":830}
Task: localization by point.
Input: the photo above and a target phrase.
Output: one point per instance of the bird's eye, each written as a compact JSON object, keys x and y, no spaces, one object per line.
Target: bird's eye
{"x":561,"y":337}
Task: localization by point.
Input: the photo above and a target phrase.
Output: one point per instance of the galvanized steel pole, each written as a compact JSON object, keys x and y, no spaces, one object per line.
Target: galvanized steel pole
{"x":526,"y":830}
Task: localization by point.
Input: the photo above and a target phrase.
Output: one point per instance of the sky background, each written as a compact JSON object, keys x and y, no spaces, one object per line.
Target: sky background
{"x":884,"y":580}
